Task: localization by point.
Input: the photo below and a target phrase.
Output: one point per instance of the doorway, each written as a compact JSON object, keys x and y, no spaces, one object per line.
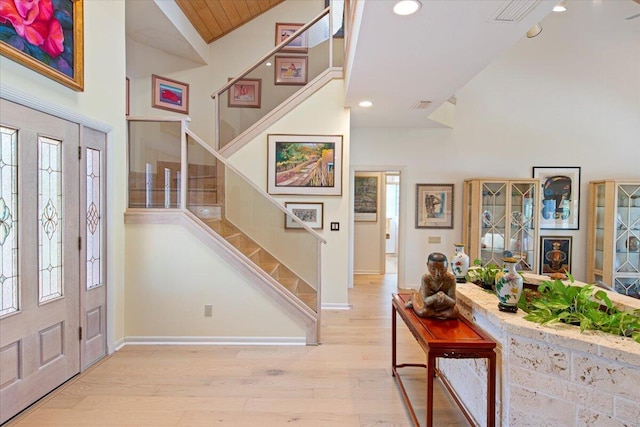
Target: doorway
{"x":392,"y":215}
{"x":46,"y":298}
{"x":377,"y":237}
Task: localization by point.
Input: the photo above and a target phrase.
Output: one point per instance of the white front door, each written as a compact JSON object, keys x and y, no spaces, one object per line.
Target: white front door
{"x":39,"y":276}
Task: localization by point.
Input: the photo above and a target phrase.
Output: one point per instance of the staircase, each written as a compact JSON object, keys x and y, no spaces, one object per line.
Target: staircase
{"x":219,"y":203}
{"x":263,"y":260}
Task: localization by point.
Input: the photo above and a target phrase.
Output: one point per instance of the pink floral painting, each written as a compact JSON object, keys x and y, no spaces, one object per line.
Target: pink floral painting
{"x":43,"y":34}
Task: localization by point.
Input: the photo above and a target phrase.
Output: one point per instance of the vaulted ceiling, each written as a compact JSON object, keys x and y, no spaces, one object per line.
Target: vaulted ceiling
{"x":216,"y":18}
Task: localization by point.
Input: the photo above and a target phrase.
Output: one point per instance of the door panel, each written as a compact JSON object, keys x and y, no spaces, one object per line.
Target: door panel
{"x":39,"y":345}
{"x":92,"y":267}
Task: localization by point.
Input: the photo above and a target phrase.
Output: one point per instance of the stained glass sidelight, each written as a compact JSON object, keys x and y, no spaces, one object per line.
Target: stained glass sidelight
{"x":94,"y":209}
{"x":9,"y":302}
{"x":50,"y":217}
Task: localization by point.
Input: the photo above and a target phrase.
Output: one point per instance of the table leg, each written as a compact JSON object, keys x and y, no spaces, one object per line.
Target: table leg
{"x":393,"y":339}
{"x":491,"y":391}
{"x":431,"y":372}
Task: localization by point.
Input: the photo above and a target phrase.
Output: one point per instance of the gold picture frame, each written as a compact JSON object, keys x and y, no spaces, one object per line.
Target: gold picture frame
{"x":47,"y":48}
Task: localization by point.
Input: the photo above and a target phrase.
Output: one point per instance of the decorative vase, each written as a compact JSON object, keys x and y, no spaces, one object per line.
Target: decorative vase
{"x":460,"y":263}
{"x":509,"y":286}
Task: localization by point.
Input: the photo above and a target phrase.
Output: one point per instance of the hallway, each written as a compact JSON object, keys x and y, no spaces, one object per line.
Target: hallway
{"x":344,"y":382}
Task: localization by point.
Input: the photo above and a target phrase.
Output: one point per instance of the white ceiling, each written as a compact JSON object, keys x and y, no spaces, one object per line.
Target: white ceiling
{"x":402,"y":60}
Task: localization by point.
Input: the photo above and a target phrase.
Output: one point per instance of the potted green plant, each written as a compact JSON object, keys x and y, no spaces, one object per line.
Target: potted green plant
{"x":555,"y":302}
{"x":482,"y":275}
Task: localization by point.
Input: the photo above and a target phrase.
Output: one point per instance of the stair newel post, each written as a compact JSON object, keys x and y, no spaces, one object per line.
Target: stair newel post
{"x":184,"y":167}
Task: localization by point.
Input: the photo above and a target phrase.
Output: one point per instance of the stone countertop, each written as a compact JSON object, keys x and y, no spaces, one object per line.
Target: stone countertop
{"x":485,"y":303}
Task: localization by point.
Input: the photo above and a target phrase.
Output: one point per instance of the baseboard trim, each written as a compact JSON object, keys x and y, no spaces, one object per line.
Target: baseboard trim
{"x":340,"y":306}
{"x":150,"y":340}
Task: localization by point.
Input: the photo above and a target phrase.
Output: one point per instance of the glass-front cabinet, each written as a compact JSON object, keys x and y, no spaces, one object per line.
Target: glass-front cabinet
{"x":614,"y":235}
{"x":500,"y":215}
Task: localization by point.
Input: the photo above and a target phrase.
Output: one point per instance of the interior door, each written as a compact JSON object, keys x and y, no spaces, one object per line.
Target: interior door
{"x":39,"y":229}
{"x":93,"y":310}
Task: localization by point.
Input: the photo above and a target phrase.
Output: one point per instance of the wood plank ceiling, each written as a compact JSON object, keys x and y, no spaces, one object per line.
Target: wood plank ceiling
{"x":215,"y":18}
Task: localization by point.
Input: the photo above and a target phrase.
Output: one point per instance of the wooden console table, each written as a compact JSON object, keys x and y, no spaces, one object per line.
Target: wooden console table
{"x":457,"y":339}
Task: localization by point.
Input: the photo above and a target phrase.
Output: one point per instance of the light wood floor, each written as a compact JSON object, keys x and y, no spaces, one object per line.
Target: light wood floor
{"x":344,"y":382}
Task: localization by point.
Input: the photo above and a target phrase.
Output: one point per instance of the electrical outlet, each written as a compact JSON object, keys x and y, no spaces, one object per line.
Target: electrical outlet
{"x":208,"y":310}
{"x":435,"y":239}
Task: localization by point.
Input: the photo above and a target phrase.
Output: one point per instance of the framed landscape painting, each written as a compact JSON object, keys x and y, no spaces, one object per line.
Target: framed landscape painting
{"x":365,"y":198}
{"x":434,"y":205}
{"x":310,"y":213}
{"x":304,"y":164}
{"x":560,"y":197}
{"x":50,"y":43}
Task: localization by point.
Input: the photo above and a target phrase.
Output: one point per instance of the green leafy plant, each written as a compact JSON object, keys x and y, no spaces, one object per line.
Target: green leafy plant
{"x":484,"y":276}
{"x":555,"y":302}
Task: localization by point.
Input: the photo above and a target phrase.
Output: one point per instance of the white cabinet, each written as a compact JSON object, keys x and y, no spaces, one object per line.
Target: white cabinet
{"x":614,"y":235}
{"x":501,"y":215}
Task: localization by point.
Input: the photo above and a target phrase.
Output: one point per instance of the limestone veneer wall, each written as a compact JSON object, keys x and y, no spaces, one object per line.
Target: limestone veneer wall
{"x":548,"y":375}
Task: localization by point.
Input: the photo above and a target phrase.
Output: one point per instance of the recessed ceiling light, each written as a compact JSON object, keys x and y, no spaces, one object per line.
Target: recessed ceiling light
{"x":365,"y":103}
{"x":560,"y":7}
{"x":268,"y":64}
{"x":407,"y":7}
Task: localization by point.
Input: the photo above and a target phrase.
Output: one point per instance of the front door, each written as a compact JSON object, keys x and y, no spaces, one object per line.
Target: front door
{"x":39,"y":276}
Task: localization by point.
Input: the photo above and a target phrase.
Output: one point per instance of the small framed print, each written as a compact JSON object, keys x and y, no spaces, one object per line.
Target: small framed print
{"x":245,"y":93}
{"x":310,"y":213}
{"x":560,"y":204}
{"x":434,"y":205}
{"x":297,"y":45}
{"x":291,"y":70}
{"x":170,"y":94}
{"x":555,"y":254}
{"x":365,"y":198}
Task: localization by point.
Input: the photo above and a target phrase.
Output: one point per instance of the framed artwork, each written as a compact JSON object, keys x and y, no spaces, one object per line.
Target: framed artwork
{"x":555,"y":254}
{"x":291,"y":70}
{"x":365,"y":198}
{"x":51,"y":43}
{"x":304,"y":164}
{"x":434,"y":205}
{"x":245,"y":93}
{"x":312,"y":214}
{"x":170,"y":94}
{"x":560,"y":197}
{"x":128,"y":94}
{"x":297,"y":45}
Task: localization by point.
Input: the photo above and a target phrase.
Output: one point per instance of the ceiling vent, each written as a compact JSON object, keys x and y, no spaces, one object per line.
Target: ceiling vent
{"x":513,"y":11}
{"x":421,"y":105}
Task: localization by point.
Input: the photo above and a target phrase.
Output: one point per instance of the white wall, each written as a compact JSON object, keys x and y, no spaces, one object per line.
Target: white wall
{"x":103,"y":101}
{"x":174,"y":275}
{"x":569,"y":97}
{"x":328,"y":104}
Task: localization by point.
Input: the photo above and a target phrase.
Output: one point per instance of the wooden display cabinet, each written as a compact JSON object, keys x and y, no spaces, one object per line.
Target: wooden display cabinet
{"x":613,"y":241}
{"x":499,"y":215}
